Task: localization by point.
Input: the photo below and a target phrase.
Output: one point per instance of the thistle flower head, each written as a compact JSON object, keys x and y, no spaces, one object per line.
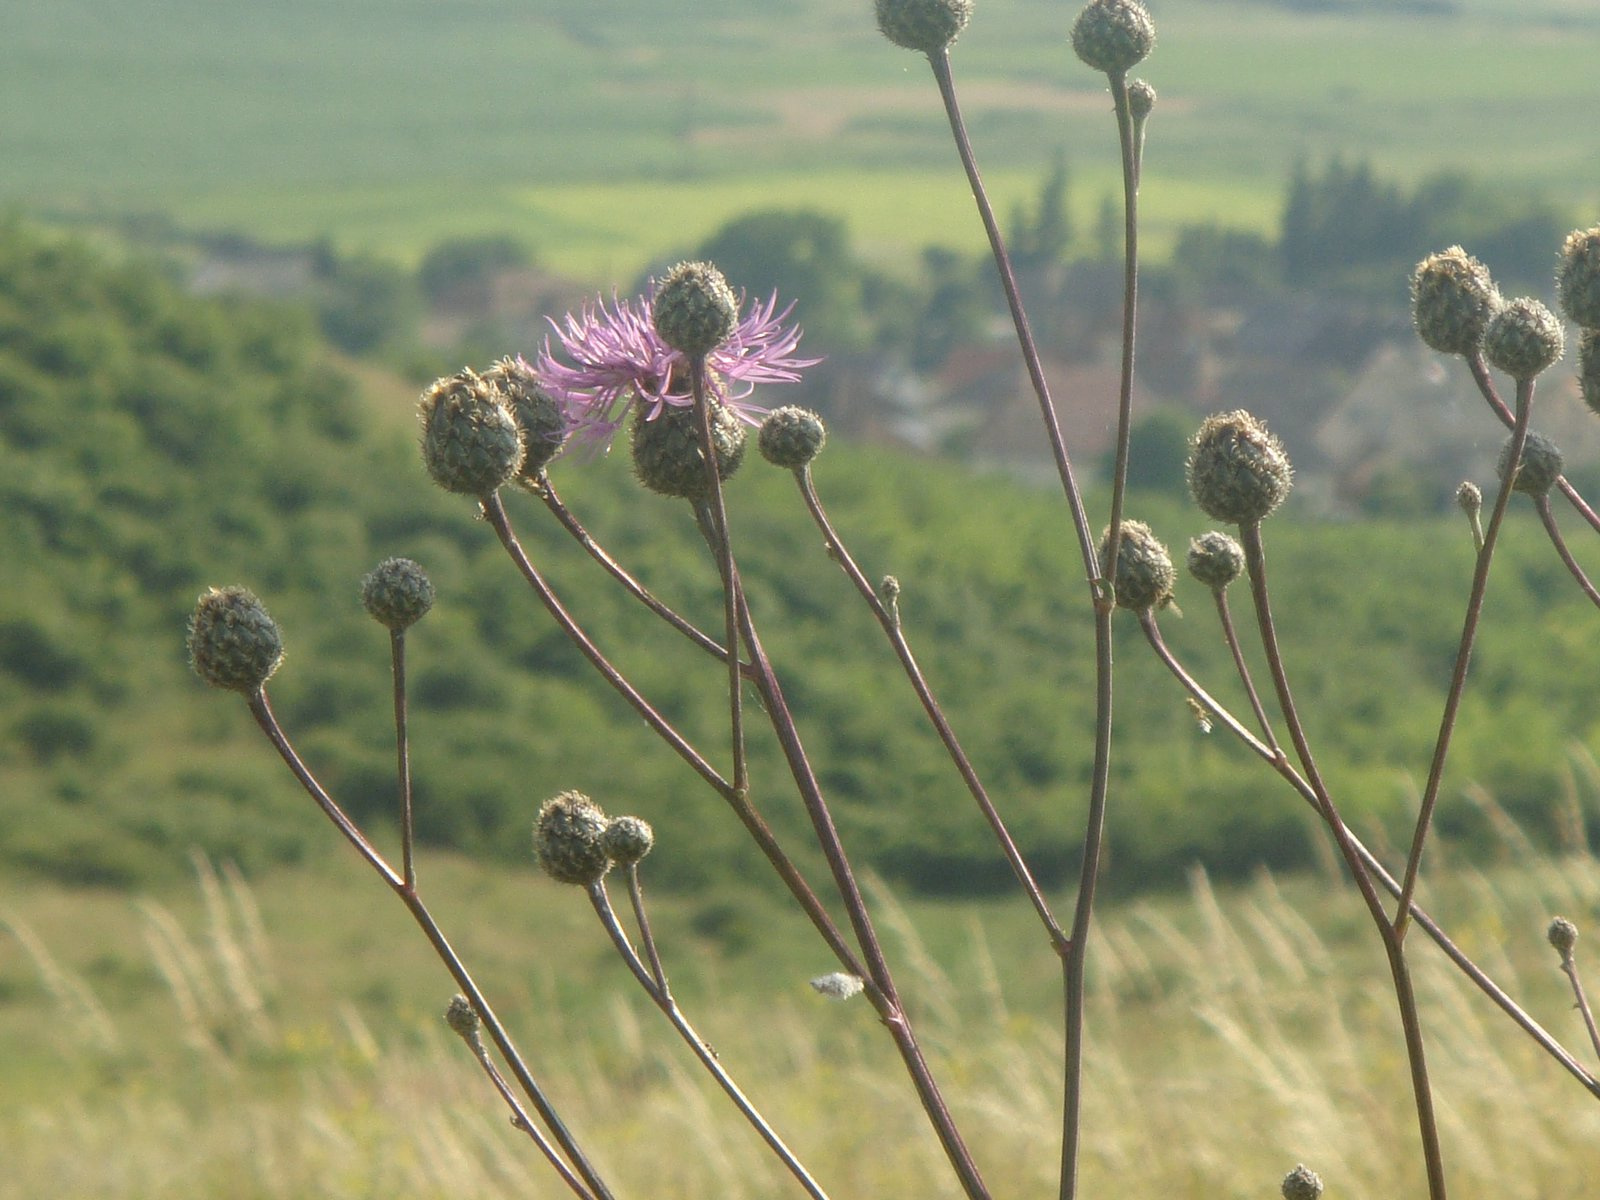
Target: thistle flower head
{"x":926,"y":25}
{"x":1523,"y":338}
{"x":1302,"y":1183}
{"x":568,"y":839}
{"x":470,"y":441}
{"x":1539,"y":468}
{"x":667,"y":457}
{"x":605,"y":362}
{"x":1469,"y":498}
{"x":1589,"y":368}
{"x":462,"y":1018}
{"x":1578,"y":278}
{"x":1452,"y":299}
{"x":627,"y":840}
{"x":538,"y":416}
{"x":1563,"y":936}
{"x":1144,"y":575}
{"x":1238,"y":471}
{"x":397,"y":593}
{"x":791,"y":437}
{"x":1215,"y":559}
{"x":695,"y":310}
{"x":1141,"y":99}
{"x":233,"y":642}
{"x":1113,"y":35}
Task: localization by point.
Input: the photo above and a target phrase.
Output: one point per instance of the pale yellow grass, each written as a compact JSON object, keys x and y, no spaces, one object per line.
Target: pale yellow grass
{"x":1232,"y":1037}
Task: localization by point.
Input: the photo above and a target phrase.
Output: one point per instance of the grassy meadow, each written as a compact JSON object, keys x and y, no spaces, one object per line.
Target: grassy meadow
{"x":232,"y":1040}
{"x":609,"y":134}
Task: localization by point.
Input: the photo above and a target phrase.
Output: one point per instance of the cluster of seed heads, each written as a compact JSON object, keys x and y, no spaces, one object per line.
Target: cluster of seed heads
{"x":575,"y":842}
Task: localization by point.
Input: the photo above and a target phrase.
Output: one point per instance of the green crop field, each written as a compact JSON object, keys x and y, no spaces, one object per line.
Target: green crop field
{"x":608,"y":134}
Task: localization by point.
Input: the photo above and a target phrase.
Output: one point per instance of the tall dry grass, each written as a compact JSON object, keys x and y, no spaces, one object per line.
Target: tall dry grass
{"x":1233,"y":1034}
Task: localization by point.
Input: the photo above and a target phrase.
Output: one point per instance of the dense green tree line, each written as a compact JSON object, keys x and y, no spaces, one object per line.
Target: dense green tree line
{"x":152,"y":444}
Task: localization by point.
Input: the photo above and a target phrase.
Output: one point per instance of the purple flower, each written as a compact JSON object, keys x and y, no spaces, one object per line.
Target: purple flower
{"x":605,"y":360}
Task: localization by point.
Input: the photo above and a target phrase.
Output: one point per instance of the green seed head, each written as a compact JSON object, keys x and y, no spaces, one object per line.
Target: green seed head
{"x":470,"y":441}
{"x":1589,"y":368}
{"x":1578,"y":278}
{"x":1563,"y":936}
{"x":694,"y":308}
{"x":397,"y":593}
{"x":791,"y":437}
{"x":233,"y":643}
{"x":1523,"y":338}
{"x":627,"y":840}
{"x":544,"y":430}
{"x":462,"y":1019}
{"x":1141,"y":99}
{"x":1144,"y":573}
{"x":569,"y":839}
{"x":666,"y":451}
{"x":1540,"y":467}
{"x":1215,"y":559}
{"x":926,"y":25}
{"x":1238,"y":471}
{"x":1302,"y":1183}
{"x":1113,"y":35}
{"x":1452,"y":299}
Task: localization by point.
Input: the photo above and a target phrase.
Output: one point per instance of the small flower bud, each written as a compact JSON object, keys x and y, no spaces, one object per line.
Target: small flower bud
{"x":1113,"y":35}
{"x":1540,"y":466}
{"x":1141,"y":99}
{"x":1523,"y":338}
{"x":791,"y":437}
{"x":1302,"y":1183}
{"x":397,"y":593}
{"x":470,"y":441}
{"x":1452,"y":299}
{"x":536,"y":412}
{"x":1563,"y":936}
{"x":627,"y":840}
{"x":568,"y":839}
{"x":462,"y":1019}
{"x":926,"y":25}
{"x":1215,"y":559}
{"x":1578,"y":278}
{"x":1144,"y":574}
{"x":694,"y":309}
{"x":1238,"y":471}
{"x":1469,"y":499}
{"x":666,"y":451}
{"x":233,"y":643}
{"x":1589,"y":368}
{"x":839,"y":985}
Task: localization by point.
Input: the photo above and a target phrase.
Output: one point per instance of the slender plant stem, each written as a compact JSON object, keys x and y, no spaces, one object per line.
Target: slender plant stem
{"x":1130,"y":309}
{"x":1231,"y":636}
{"x":940,"y":62}
{"x":1547,"y":518}
{"x":397,"y":653}
{"x":261,"y":709}
{"x":1569,"y":968}
{"x":520,"y":1118}
{"x":1458,"y":676}
{"x":646,"y":938}
{"x":1275,"y":759}
{"x":930,"y":705}
{"x":496,"y":514}
{"x":722,"y":547}
{"x":1393,"y":945}
{"x":581,"y":535}
{"x":655,"y":987}
{"x":1485,"y":382}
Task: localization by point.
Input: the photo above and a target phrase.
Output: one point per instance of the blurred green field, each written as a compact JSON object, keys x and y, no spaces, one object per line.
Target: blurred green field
{"x":607,"y":134}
